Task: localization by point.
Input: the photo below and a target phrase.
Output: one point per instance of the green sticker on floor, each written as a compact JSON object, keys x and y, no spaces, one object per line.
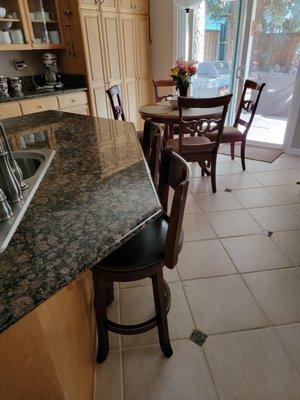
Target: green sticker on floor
{"x":198,"y":337}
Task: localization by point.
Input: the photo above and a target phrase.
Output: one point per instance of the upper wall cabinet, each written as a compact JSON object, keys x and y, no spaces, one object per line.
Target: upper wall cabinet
{"x":132,"y":6}
{"x":105,"y":5}
{"x":45,"y":27}
{"x":141,"y":6}
{"x":31,"y":24}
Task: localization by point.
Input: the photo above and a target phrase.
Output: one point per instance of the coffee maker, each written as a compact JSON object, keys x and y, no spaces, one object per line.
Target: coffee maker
{"x":52,"y":72}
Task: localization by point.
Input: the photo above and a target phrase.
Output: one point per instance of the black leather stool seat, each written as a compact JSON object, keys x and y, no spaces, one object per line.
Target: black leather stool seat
{"x":143,"y":250}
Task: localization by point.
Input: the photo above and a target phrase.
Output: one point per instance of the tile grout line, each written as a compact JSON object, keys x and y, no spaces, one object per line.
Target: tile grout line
{"x":195,"y":326}
{"x":274,"y":330}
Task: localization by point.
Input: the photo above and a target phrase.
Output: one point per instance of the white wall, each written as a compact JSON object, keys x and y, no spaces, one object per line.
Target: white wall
{"x":162,"y":38}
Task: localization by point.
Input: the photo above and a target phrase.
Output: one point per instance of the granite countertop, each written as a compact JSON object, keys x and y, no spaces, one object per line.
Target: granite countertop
{"x":95,"y":195}
{"x":30,"y":94}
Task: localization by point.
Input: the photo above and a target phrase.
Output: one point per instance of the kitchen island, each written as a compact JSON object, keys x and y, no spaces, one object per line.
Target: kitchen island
{"x":96,"y":194}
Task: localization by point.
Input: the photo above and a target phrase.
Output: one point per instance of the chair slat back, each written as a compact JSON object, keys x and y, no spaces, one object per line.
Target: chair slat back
{"x":114,"y":96}
{"x":175,"y":173}
{"x":152,"y":147}
{"x":158,"y":83}
{"x":248,"y":104}
{"x":202,"y":125}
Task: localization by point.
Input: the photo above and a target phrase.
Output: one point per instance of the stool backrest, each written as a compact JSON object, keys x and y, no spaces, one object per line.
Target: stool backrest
{"x":159,"y":83}
{"x":202,"y":125}
{"x":248,"y":103}
{"x":152,"y":147}
{"x":174,"y":173}
{"x":114,"y":96}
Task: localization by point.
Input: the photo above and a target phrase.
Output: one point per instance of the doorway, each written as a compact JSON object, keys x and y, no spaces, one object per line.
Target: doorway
{"x":259,"y":40}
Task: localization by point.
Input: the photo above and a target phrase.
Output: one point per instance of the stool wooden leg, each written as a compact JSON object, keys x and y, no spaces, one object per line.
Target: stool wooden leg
{"x":100,"y":299}
{"x":160,"y":307}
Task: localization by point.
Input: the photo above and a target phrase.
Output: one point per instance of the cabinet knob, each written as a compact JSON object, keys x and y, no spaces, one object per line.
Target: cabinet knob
{"x":73,"y":100}
{"x":41,"y":106}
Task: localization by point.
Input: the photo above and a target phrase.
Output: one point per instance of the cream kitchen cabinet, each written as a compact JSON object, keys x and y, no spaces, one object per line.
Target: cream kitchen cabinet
{"x":143,"y":60}
{"x":76,"y":102}
{"x":128,"y":40}
{"x":91,"y":25}
{"x":10,"y":109}
{"x":117,"y":53}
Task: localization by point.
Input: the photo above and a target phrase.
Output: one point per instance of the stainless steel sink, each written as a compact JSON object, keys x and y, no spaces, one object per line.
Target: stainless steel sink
{"x":34,"y":164}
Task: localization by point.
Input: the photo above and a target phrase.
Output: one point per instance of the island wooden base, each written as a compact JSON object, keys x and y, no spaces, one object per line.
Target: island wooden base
{"x":50,"y":353}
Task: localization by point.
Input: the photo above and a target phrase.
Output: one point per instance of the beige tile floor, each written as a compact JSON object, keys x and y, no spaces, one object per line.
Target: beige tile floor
{"x":232,"y":282}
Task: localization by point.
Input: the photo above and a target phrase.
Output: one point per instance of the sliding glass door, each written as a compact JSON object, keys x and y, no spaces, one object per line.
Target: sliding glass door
{"x":273,"y":57}
{"x":256,"y":39}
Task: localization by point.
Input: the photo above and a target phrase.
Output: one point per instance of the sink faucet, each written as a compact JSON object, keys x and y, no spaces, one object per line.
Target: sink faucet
{"x":14,"y":165}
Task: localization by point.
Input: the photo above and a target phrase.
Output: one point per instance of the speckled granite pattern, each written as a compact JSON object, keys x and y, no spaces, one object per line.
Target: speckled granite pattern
{"x":34,"y":94}
{"x":96,"y":194}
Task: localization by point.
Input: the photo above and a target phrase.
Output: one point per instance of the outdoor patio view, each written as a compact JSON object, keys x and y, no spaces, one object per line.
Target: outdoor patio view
{"x":273,"y":57}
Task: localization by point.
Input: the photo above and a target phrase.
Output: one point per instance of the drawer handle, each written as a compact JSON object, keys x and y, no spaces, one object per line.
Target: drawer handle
{"x":73,"y":101}
{"x":41,"y":106}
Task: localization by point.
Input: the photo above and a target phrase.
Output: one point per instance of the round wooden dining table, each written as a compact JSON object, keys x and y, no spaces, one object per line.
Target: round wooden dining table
{"x":164,"y":113}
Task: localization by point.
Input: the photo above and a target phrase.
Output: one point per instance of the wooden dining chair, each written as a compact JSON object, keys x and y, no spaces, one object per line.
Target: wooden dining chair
{"x":192,"y":144}
{"x":152,"y":146}
{"x":115,"y":99}
{"x":143,"y":256}
{"x":248,"y":103}
{"x":159,"y":83}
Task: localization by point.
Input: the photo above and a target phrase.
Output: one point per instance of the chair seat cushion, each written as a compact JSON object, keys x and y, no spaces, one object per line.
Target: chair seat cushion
{"x":143,"y":250}
{"x":230,"y":134}
{"x":189,"y":142}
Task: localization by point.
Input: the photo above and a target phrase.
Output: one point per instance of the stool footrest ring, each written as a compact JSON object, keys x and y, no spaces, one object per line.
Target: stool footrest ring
{"x":143,"y":326}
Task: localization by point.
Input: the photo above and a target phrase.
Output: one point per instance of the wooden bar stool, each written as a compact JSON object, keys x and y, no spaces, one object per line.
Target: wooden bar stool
{"x":152,"y":146}
{"x":144,"y":256}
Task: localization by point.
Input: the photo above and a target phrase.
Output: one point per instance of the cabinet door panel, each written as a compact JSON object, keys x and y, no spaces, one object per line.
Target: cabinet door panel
{"x":128,"y":40}
{"x":92,"y":45}
{"x":108,"y":3}
{"x":128,"y":45}
{"x":143,"y":60}
{"x":89,"y":4}
{"x":100,"y":101}
{"x":141,"y":6}
{"x":112,"y":45}
{"x":131,"y":100}
{"x":92,"y":39}
{"x":126,"y":5}
{"x":142,"y":32}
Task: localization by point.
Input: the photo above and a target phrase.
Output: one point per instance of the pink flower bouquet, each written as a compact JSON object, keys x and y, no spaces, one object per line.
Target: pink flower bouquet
{"x":182,"y":73}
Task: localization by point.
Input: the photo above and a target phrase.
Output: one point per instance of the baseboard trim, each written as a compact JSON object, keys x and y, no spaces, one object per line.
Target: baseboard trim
{"x":294,"y":152}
